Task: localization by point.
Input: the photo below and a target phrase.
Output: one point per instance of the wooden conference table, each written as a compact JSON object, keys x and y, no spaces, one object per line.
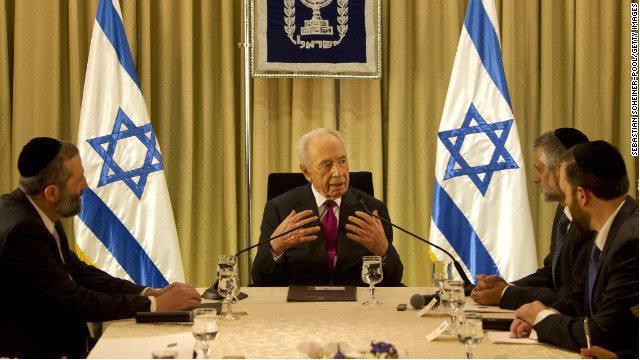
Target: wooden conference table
{"x":273,"y":328}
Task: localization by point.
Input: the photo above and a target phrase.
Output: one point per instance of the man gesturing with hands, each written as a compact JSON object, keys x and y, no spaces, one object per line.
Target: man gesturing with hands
{"x":335,"y":233}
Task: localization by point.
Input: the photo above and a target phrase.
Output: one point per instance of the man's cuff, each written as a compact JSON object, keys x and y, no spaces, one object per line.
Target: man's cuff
{"x":543,"y":315}
{"x":505,"y":289}
{"x":277,"y":258}
{"x":152,"y":306}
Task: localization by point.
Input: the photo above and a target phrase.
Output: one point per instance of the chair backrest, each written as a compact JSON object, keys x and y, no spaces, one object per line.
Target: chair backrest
{"x":280,"y":183}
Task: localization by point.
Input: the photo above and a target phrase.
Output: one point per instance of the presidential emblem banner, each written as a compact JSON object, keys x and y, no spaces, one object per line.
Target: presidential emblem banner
{"x":481,"y":207}
{"x":328,"y":38}
{"x":126,"y":226}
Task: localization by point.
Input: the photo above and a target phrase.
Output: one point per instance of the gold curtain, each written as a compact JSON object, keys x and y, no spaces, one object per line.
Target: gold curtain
{"x":566,"y":62}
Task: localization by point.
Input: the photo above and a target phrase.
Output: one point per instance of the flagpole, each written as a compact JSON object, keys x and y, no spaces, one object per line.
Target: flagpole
{"x":247,"y":127}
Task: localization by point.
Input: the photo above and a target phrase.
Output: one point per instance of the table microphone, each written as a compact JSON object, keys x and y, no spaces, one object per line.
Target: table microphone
{"x":463,"y":275}
{"x":419,"y":301}
{"x":284,"y":233}
{"x":212,"y":293}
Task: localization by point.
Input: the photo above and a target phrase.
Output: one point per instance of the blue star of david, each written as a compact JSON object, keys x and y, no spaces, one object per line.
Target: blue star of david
{"x":112,"y":139}
{"x":494,"y":164}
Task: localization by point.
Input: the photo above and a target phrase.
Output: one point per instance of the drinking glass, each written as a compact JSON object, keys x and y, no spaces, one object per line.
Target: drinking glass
{"x":204,"y":327}
{"x":453,"y":300}
{"x":470,"y":332}
{"x":228,"y":284}
{"x":441,"y":272}
{"x":372,"y":274}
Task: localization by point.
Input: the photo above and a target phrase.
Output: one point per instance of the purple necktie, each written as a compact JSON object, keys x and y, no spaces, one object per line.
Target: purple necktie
{"x":330,"y":232}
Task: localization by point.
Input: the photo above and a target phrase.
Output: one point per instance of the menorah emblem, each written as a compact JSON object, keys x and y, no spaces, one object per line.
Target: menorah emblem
{"x":316,"y":26}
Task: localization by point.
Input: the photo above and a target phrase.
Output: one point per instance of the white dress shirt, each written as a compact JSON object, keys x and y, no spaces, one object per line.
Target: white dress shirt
{"x":320,"y":203}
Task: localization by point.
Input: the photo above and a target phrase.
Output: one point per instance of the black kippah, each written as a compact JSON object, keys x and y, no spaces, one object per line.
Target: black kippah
{"x":36,"y":155}
{"x":600,"y":159}
{"x":570,"y":137}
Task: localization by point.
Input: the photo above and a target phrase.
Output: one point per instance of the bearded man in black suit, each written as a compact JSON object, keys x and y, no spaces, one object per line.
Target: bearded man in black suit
{"x":313,"y":255}
{"x":563,"y":267}
{"x":594,"y":180}
{"x":48,"y":294}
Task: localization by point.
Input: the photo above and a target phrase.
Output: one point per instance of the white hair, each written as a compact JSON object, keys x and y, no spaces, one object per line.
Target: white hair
{"x":303,"y":143}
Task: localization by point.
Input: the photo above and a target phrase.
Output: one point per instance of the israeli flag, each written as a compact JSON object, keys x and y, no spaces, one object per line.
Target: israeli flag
{"x":126,"y":226}
{"x":480,"y":207}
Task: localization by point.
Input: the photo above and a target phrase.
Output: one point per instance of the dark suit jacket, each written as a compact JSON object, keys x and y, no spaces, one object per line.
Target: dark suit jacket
{"x":43,"y":311}
{"x":615,"y":291}
{"x":569,"y":270}
{"x":306,"y":263}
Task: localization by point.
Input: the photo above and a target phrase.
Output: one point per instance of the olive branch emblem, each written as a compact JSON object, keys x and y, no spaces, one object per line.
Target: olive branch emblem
{"x":290,"y":25}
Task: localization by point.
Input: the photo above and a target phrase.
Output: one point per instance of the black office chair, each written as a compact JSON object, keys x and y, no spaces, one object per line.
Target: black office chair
{"x":280,"y":183}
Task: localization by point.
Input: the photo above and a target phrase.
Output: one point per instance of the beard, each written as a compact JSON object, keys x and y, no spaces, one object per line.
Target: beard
{"x":68,"y":205}
{"x":580,"y":218}
{"x":551,"y":195}
{"x":553,"y":191}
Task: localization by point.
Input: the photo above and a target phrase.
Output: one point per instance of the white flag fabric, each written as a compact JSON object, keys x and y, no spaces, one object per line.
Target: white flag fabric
{"x":480,"y":207}
{"x":126,"y":226}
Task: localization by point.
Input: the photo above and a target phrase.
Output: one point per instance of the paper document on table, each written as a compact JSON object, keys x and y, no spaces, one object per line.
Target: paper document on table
{"x":504,"y":337}
{"x":473,"y":306}
{"x":142,"y":347}
{"x":321,"y":293}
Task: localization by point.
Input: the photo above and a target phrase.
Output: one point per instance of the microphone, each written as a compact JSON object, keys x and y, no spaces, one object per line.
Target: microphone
{"x":419,"y":301}
{"x":212,"y":292}
{"x":463,"y":275}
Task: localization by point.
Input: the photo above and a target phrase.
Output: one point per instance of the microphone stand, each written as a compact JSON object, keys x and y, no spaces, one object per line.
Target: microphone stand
{"x":463,"y":275}
{"x":212,"y":292}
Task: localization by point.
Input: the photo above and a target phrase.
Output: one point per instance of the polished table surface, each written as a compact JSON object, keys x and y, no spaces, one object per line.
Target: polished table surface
{"x":273,"y":328}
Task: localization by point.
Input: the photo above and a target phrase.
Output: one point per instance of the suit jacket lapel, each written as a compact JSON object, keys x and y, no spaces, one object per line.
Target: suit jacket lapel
{"x":22,"y":198}
{"x":625,"y":211}
{"x":64,"y":245}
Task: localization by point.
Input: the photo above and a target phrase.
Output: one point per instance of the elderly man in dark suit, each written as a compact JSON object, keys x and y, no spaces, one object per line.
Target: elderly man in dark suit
{"x":48,"y":294}
{"x":563,"y":266}
{"x":329,"y":254}
{"x":594,"y":180}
